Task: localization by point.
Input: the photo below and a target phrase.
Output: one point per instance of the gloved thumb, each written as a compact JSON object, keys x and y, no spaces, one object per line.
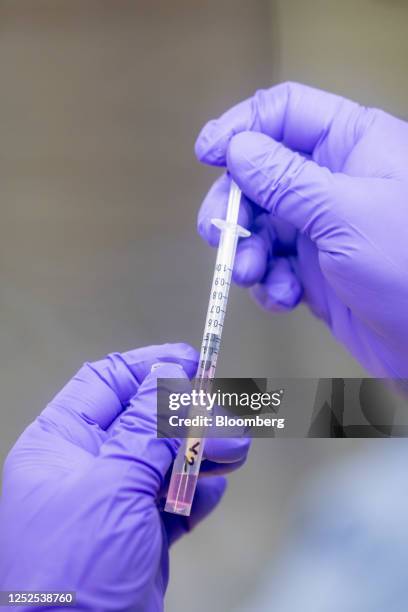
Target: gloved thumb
{"x":136,"y":456}
{"x":285,"y":183}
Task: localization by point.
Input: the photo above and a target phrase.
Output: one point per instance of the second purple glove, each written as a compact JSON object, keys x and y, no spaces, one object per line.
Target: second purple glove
{"x":79,"y":509}
{"x":326,"y":186}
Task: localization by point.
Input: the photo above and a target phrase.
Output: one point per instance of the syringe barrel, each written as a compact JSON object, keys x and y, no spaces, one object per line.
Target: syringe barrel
{"x":186,"y":467}
{"x":217,"y":305}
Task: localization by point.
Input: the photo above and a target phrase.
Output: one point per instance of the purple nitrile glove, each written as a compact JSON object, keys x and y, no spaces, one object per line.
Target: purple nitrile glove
{"x":326,"y":186}
{"x":79,"y":509}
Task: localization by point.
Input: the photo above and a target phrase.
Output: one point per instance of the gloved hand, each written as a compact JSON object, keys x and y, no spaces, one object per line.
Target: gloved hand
{"x":326,"y":182}
{"x":79,"y":510}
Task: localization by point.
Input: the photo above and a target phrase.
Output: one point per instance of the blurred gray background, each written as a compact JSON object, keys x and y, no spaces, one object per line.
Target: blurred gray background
{"x":100,"y":104}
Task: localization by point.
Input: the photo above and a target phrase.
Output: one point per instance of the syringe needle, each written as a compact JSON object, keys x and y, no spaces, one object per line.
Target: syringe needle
{"x":187,"y":463}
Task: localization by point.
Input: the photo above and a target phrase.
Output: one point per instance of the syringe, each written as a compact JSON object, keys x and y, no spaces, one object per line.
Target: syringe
{"x":188,"y":460}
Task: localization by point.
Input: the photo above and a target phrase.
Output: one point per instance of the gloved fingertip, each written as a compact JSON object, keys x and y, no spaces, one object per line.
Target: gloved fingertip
{"x":247,"y":153}
{"x":175,"y":370}
{"x":184,"y":354}
{"x":210,"y":491}
{"x":246,"y":271}
{"x":280,"y":289}
{"x":241,"y":447}
{"x":176,"y":356}
{"x":187,"y":350}
{"x":250,"y":261}
{"x":162,"y":366}
{"x":209,"y":146}
{"x":208,"y":231}
{"x":219,"y":485}
{"x":278,"y":297}
{"x":288,"y":295}
{"x":228,"y":450}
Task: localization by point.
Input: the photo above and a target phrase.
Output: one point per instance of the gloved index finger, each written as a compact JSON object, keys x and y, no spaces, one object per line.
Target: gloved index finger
{"x":101,"y":390}
{"x":291,"y":113}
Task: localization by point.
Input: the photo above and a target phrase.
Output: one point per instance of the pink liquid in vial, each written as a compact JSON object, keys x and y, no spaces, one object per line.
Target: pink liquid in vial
{"x":181,"y":493}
